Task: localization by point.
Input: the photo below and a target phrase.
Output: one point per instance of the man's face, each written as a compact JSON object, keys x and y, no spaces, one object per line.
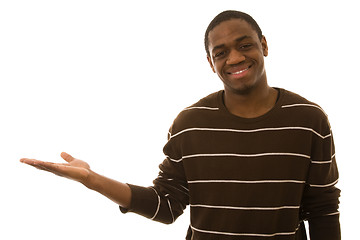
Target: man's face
{"x":237,"y":55}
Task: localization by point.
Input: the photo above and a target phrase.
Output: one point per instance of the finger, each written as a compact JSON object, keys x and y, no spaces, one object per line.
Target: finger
{"x":64,"y":170}
{"x":42,"y":167}
{"x":34,"y":163}
{"x":30,"y":161}
{"x":60,"y":169}
{"x":49,"y":166}
{"x":67,"y":157}
{"x":56,"y":168}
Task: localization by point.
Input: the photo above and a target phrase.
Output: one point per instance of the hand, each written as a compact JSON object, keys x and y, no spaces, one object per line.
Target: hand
{"x":79,"y":171}
{"x":74,"y":169}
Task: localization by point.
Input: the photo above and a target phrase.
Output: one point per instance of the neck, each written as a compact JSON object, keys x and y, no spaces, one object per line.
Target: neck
{"x":252,"y":104}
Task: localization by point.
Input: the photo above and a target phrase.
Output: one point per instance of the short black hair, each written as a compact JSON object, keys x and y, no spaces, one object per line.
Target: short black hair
{"x":227,"y":15}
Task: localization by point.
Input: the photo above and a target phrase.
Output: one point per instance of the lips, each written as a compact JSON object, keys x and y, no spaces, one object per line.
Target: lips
{"x":238,"y":71}
{"x":241,"y":71}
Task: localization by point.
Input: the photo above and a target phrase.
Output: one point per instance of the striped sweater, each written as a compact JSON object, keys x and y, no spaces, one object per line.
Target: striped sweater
{"x":256,"y":178}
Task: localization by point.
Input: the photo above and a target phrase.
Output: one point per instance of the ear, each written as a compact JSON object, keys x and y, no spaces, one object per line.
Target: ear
{"x":264,"y":46}
{"x":211,"y":64}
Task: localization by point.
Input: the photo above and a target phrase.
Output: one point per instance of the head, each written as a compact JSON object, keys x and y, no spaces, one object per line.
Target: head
{"x":235,"y":50}
{"x":225,"y":16}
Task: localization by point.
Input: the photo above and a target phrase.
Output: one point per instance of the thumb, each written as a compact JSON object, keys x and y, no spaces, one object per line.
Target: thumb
{"x":67,"y":157}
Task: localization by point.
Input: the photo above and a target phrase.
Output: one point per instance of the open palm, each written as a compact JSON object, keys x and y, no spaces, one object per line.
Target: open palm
{"x":74,"y":169}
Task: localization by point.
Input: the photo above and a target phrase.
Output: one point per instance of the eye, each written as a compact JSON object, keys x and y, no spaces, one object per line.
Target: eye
{"x":245,"y":46}
{"x":219,"y":54}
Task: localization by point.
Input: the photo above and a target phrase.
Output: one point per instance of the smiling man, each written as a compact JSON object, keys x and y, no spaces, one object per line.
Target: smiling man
{"x":251,"y":161}
{"x":236,"y":53}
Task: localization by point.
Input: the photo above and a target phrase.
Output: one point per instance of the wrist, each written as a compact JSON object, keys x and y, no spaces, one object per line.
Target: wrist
{"x":118,"y":192}
{"x":92,"y":180}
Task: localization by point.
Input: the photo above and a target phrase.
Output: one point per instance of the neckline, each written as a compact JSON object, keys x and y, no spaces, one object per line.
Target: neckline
{"x":273,"y":110}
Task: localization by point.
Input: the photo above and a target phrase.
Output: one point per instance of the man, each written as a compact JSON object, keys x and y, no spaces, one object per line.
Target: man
{"x":252,"y":161}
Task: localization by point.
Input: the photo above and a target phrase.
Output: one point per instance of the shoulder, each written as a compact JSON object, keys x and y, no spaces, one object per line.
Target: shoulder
{"x":197,"y":113}
{"x":299,"y":104}
{"x":302,"y":110}
{"x":210,"y":101}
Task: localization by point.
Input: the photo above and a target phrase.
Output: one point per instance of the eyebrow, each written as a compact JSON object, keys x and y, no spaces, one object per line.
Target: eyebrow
{"x":236,"y":40}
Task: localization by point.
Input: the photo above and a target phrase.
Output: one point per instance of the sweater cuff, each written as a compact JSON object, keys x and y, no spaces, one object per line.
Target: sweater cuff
{"x":144,"y":201}
{"x":326,"y":227}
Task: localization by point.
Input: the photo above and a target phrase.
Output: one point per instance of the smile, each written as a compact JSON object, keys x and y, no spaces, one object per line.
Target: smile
{"x":241,"y":71}
{"x":238,"y":71}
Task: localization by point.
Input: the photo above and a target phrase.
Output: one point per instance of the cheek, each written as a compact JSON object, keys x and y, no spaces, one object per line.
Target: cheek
{"x":212,"y":64}
{"x":217,"y":66}
{"x":213,"y":69}
{"x":218,"y":71}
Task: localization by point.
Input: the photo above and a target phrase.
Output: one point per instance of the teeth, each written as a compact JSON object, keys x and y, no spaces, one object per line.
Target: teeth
{"x":240,"y":71}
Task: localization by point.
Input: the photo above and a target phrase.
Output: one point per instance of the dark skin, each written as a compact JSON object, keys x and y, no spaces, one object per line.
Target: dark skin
{"x":237,"y":56}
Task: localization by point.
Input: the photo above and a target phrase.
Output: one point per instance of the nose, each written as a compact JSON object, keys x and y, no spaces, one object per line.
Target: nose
{"x":235,"y":57}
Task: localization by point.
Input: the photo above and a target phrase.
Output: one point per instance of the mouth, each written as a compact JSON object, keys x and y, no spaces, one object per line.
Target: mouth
{"x":236,"y":72}
{"x":241,"y":71}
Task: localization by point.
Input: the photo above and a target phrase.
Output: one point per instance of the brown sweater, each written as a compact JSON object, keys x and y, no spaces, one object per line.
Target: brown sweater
{"x":247,"y":178}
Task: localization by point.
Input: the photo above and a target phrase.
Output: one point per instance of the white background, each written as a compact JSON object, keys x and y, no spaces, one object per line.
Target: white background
{"x":103,"y":80}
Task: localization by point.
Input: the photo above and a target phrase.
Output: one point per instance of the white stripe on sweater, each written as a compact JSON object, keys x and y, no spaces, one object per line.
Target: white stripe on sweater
{"x":304,"y":105}
{"x":246,"y":182}
{"x":158,"y":206}
{"x":170,"y":209}
{"x":243,"y":234}
{"x":170,"y":179}
{"x":244,"y":155}
{"x":238,"y":155}
{"x":321,"y":162}
{"x":331,"y":214}
{"x":203,"y":108}
{"x":250,"y":131}
{"x":324,"y":162}
{"x":245,"y":208}
{"x":325,"y":185}
{"x":260,"y":181}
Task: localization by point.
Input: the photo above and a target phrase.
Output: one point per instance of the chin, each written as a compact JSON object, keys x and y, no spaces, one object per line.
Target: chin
{"x":243,"y":90}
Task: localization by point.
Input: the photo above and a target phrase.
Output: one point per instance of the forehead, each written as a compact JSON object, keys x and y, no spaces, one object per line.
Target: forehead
{"x":230,"y":30}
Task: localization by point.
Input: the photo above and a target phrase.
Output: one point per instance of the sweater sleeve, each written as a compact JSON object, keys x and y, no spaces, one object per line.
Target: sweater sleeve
{"x":169,"y":196}
{"x":321,"y":197}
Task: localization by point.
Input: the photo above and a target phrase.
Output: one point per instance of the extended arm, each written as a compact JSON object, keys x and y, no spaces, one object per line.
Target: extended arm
{"x":80,"y":171}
